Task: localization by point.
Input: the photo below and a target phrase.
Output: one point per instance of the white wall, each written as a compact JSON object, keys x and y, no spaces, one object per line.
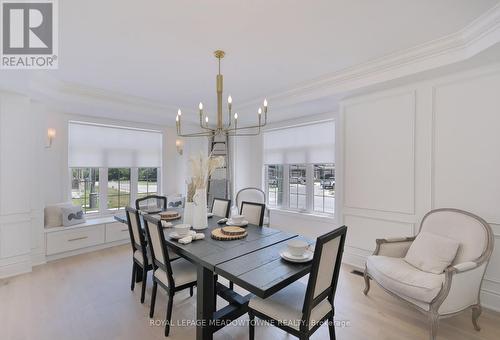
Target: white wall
{"x":20,"y":204}
{"x":411,"y":149}
{"x":33,"y":176}
{"x":247,"y":160}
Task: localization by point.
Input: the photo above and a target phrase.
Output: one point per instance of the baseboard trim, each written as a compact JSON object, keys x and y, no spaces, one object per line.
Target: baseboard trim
{"x":54,"y":257}
{"x":15,"y":269}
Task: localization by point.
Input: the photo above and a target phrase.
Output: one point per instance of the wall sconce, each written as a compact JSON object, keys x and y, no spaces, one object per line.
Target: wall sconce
{"x":179,"y":145}
{"x":51,"y":134}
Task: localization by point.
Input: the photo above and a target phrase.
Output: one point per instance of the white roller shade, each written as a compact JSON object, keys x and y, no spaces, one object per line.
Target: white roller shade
{"x":110,"y":146}
{"x":311,"y":143}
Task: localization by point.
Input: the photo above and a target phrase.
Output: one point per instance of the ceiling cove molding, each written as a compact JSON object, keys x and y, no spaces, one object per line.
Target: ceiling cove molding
{"x":476,"y":37}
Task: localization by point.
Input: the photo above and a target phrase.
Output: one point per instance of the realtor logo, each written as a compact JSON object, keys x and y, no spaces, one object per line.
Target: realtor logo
{"x":29,"y":34}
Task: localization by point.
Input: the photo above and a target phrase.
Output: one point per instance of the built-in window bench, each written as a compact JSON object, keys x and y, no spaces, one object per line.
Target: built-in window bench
{"x":92,"y":235}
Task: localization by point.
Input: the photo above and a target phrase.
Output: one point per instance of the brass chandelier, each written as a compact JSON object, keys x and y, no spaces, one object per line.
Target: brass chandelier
{"x":231,"y":128}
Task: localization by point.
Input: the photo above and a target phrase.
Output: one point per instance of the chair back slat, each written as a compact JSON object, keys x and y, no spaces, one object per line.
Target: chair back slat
{"x":221,"y":206}
{"x":325,"y":270}
{"x":253,"y":212}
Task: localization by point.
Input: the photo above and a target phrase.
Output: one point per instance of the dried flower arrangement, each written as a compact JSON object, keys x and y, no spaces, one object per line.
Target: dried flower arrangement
{"x":202,"y":167}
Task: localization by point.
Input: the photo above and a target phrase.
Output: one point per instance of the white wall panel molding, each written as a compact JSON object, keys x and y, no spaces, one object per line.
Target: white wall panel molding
{"x":464,"y":110}
{"x":364,"y":231}
{"x":365,"y":139}
{"x":456,"y":163}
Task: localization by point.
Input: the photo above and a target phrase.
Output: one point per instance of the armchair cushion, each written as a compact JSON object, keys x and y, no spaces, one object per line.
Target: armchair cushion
{"x":401,"y":278}
{"x":432,"y":253}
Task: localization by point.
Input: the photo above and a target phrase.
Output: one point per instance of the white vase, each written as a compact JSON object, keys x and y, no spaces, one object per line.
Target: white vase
{"x":200,"y":218}
{"x":188,"y":213}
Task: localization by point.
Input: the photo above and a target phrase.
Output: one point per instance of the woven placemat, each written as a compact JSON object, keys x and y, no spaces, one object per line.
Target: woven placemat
{"x":233,"y":231}
{"x":217,"y":234}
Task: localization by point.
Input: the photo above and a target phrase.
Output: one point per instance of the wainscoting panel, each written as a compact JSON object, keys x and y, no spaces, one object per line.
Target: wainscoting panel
{"x":466,"y":145}
{"x":447,"y":155}
{"x":378,"y":159}
{"x":364,"y":231}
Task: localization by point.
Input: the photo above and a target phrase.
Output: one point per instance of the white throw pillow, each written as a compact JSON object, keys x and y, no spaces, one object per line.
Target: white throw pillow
{"x":53,"y":214}
{"x":432,"y":253}
{"x":72,"y":215}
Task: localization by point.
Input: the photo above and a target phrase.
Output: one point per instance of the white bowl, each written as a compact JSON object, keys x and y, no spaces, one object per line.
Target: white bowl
{"x":297,"y":247}
{"x":182,"y":229}
{"x":237,"y":218}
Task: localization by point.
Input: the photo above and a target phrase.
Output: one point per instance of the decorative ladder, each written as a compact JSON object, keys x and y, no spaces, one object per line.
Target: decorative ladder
{"x":219,"y":182}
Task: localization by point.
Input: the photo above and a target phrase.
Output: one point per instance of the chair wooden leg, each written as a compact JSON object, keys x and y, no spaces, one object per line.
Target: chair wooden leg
{"x":434,"y":323}
{"x":168,"y":319}
{"x":367,"y":284}
{"x":153,"y":299}
{"x":144,"y":279}
{"x":251,"y":325}
{"x":331,"y":327}
{"x":191,"y":291}
{"x":476,"y":312}
{"x":134,"y":268}
{"x":231,"y":285}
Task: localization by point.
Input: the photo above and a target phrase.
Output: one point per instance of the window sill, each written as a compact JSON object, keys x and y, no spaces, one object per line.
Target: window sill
{"x":320,"y":217}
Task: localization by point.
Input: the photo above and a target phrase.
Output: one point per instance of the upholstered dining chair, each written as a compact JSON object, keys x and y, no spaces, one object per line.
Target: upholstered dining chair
{"x":256,"y":195}
{"x":151,"y":201}
{"x":443,"y":294}
{"x":300,"y":311}
{"x":221,"y":207}
{"x":141,"y":260}
{"x":172,"y":276}
{"x":253,"y":212}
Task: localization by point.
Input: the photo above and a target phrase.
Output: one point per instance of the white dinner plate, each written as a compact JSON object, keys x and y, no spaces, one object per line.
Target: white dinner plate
{"x":242,"y":224}
{"x":306,"y":257}
{"x":176,"y":236}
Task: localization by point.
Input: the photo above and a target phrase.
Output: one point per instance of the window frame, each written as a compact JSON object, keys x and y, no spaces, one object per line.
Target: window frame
{"x":309,"y":182}
{"x":103,"y":189}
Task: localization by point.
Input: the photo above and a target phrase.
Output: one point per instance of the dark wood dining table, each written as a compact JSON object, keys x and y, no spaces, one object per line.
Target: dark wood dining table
{"x":253,"y":263}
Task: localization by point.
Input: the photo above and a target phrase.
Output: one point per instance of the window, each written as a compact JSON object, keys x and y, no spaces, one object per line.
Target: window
{"x":300,"y":167}
{"x":112,"y":166}
{"x":275,"y":185}
{"x":297,"y":183}
{"x":147,"y":182}
{"x":324,"y":188}
{"x":85,"y":188}
{"x":118,"y":188}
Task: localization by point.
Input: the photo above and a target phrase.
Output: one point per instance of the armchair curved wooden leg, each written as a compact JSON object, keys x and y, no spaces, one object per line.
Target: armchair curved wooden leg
{"x":434,"y":321}
{"x":367,"y":284}
{"x":476,"y":312}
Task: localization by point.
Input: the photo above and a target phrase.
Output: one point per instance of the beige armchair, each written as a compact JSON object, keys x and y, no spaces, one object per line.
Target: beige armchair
{"x":436,"y":295}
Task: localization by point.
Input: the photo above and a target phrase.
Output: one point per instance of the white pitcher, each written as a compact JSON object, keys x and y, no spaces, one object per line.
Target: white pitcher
{"x":188,"y":213}
{"x":200,"y":218}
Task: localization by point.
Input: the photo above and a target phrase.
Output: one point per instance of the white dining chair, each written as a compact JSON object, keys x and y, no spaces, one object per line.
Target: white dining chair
{"x":221,"y":206}
{"x":256,"y":195}
{"x":141,"y":259}
{"x":172,"y":276}
{"x":298,"y":310}
{"x":253,"y":212}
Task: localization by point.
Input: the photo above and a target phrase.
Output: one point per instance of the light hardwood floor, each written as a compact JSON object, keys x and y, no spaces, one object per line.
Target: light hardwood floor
{"x":88,"y":297}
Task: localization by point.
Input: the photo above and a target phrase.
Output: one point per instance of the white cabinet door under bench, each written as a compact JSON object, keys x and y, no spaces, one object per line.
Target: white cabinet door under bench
{"x":92,"y":235}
